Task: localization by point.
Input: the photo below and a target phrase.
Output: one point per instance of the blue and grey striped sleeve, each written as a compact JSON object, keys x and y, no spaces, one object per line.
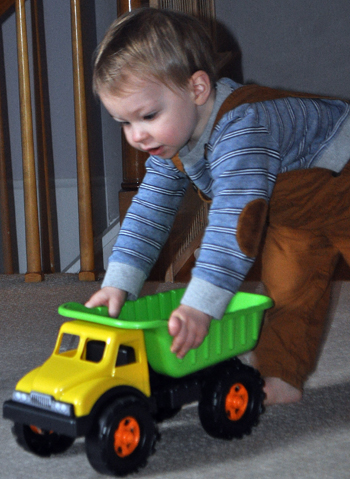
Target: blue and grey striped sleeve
{"x":243,"y":161}
{"x":146,"y":226}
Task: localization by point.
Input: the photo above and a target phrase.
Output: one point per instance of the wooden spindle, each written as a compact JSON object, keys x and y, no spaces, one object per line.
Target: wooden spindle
{"x":46,"y":219}
{"x":34,"y":273}
{"x":4,"y":204}
{"x":87,"y":263}
{"x":133,"y":160}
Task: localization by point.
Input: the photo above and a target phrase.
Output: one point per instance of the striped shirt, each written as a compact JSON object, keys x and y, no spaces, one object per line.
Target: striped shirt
{"x":246,"y":151}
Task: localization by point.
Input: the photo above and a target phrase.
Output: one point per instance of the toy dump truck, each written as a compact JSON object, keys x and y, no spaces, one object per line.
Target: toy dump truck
{"x":112,"y":380}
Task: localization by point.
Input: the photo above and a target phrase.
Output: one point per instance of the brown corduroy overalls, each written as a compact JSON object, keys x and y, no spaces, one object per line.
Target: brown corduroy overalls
{"x":307,"y":229}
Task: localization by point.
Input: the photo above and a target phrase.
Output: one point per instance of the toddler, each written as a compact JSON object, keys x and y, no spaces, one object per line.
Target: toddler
{"x":155,"y":74}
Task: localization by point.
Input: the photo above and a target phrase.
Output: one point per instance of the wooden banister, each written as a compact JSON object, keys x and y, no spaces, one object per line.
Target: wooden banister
{"x":33,"y":187}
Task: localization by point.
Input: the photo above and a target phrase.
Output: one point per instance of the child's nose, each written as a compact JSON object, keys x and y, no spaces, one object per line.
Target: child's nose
{"x":139,"y":134}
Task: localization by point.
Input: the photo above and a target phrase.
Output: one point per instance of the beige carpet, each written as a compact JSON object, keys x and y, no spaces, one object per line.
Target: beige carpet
{"x":306,"y":440}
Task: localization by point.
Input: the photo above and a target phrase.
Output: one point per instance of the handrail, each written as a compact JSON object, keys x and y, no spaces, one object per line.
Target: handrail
{"x":5,"y":5}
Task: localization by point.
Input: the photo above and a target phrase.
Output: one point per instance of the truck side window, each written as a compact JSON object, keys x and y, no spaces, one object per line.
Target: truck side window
{"x":126,"y":355}
{"x":94,"y":350}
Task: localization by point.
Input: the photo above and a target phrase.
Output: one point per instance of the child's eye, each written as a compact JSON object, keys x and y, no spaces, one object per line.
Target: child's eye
{"x":150,"y":116}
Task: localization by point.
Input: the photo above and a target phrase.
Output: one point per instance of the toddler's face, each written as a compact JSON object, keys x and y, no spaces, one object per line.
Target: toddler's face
{"x":155,"y":118}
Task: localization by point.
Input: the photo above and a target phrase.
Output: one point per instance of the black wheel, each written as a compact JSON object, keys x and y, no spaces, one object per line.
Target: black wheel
{"x":232,"y":401}
{"x":40,"y":442}
{"x":122,"y":438}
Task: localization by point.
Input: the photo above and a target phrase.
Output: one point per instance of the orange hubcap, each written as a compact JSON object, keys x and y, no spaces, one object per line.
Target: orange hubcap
{"x":37,"y":430}
{"x":236,"y":402}
{"x":126,"y":437}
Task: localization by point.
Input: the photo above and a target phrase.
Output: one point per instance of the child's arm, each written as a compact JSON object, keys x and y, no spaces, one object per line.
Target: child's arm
{"x":189,"y":328}
{"x":109,"y":296}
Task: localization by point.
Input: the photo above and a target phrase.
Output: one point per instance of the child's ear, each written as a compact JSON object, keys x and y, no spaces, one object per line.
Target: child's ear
{"x":201,"y":86}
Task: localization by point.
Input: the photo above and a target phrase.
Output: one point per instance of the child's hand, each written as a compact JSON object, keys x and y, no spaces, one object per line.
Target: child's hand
{"x":189,"y":328}
{"x":114,"y":298}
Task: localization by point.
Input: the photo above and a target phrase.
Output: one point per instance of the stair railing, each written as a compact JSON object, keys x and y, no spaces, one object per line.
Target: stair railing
{"x":32,"y":188}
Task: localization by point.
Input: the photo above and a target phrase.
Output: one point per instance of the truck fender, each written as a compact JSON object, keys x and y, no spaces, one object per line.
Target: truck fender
{"x":118,"y":392}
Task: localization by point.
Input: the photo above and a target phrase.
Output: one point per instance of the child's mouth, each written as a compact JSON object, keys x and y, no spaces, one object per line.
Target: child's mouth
{"x":155,"y":151}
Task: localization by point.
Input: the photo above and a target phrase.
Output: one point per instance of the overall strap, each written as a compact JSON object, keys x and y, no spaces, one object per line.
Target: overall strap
{"x":249,"y":94}
{"x":254,"y":94}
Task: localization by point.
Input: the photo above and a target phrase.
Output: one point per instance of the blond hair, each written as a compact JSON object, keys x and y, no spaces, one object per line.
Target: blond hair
{"x":166,"y":45}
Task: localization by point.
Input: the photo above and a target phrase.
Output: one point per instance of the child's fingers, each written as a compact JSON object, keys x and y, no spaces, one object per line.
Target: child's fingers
{"x":189,"y":328}
{"x":194,"y":338}
{"x":114,"y":307}
{"x":182,"y":336}
{"x":174,"y":325}
{"x":111,"y":297}
{"x":97,"y":299}
{"x":186,"y":338}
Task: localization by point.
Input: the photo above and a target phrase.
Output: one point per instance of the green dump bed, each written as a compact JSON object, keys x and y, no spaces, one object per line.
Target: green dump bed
{"x":236,"y":333}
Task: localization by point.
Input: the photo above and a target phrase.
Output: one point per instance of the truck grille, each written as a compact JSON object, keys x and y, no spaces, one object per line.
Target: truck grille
{"x":43,"y":401}
{"x":40,"y":400}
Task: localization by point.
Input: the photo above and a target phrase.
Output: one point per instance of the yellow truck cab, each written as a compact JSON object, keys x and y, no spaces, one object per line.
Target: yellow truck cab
{"x":88,"y":361}
{"x":112,"y":381}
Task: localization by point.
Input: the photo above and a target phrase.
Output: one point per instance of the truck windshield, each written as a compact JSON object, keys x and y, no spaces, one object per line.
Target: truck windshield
{"x":69,"y":344}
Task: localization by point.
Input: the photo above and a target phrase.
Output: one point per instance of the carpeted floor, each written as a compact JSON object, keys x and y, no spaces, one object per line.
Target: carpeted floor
{"x":308,"y":440}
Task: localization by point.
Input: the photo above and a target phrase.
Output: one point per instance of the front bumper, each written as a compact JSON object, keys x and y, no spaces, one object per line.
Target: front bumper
{"x":50,"y":421}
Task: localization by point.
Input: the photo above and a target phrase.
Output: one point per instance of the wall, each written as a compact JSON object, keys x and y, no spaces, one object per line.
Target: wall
{"x":291,"y":43}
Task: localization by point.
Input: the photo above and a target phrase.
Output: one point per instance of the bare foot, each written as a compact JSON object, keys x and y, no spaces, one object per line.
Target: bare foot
{"x":280,"y":392}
